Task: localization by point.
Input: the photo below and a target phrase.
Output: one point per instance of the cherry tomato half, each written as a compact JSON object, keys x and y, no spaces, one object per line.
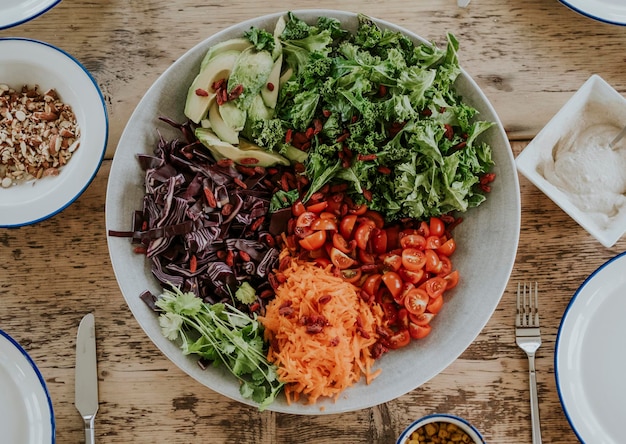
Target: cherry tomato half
{"x":392,"y":261}
{"x":436,"y":227}
{"x":433,"y":263}
{"x":394,"y":284}
{"x":372,"y":284}
{"x":415,"y":301}
{"x":362,"y":234}
{"x":323,"y":224}
{"x":378,"y":240}
{"x":342,"y":244}
{"x":317,"y":207}
{"x":413,"y":241}
{"x":435,"y":286}
{"x":434,"y":306}
{"x":419,"y":331}
{"x":452,"y":278}
{"x":399,"y":339}
{"x":346,"y":226}
{"x":422,"y":319}
{"x":413,"y":259}
{"x":313,"y":241}
{"x":447,"y":248}
{"x":414,"y":277}
{"x":433,"y":242}
{"x":297,"y":208}
{"x":340,"y":259}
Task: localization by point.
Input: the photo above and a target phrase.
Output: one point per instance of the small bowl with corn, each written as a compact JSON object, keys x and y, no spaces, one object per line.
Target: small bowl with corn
{"x":440,"y":428}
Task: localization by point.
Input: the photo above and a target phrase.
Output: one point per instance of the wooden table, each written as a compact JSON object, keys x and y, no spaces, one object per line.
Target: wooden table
{"x":528,"y":57}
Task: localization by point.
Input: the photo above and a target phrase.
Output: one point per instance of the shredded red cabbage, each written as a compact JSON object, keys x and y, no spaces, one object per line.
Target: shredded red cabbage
{"x":204,"y":224}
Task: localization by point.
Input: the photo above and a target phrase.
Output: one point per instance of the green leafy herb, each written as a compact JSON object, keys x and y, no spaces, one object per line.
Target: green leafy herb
{"x":223,"y":335}
{"x":245,"y":293}
{"x":393,"y":125}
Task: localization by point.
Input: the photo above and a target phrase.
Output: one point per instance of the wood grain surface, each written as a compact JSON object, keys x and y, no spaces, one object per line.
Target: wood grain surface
{"x":56,"y":271}
{"x":528,"y":57}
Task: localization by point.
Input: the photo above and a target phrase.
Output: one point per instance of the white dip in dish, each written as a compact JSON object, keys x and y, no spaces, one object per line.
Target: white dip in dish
{"x":587,"y":170}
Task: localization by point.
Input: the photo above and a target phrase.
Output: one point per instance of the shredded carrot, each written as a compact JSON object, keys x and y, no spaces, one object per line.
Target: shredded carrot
{"x":320,"y":333}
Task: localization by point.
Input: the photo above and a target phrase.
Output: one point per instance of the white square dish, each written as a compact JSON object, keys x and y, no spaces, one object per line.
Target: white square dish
{"x":571,"y":162}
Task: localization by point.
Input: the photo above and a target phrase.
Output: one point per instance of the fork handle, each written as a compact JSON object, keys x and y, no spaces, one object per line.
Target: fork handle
{"x":534,"y":401}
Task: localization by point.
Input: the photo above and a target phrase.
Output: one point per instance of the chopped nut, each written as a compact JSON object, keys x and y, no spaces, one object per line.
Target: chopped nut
{"x":38,"y":134}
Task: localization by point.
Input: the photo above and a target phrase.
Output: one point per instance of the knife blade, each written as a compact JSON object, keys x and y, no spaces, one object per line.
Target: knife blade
{"x":86,"y":378}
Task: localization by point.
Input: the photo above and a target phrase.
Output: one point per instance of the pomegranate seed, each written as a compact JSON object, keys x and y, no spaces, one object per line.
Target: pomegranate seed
{"x":201,"y":92}
{"x":270,"y":86}
{"x":248,"y":160}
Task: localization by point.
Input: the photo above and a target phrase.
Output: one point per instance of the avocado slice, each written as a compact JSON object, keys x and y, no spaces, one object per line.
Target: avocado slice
{"x":232,"y":115}
{"x":270,"y":95}
{"x":257,"y":109}
{"x":219,"y":67}
{"x":238,"y":44}
{"x":251,"y":71}
{"x":294,"y":154}
{"x":244,"y":154}
{"x":224,"y":131}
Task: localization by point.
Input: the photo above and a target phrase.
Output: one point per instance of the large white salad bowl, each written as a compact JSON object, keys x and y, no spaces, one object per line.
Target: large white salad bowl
{"x":487,"y":239}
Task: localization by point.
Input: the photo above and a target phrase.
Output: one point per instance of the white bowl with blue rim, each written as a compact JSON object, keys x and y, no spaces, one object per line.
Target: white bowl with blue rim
{"x":444,"y":418}
{"x":31,"y":62}
{"x":16,"y":12}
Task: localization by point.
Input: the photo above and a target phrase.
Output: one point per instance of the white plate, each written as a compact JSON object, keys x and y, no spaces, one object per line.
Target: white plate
{"x":26,"y":415}
{"x":487,"y":239}
{"x":590,"y":357}
{"x":15,"y":12}
{"x":31,"y":62}
{"x":608,"y":11}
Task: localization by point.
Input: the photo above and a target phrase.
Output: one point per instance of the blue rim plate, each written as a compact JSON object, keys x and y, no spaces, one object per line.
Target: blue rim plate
{"x":607,"y":11}
{"x":589,"y":359}
{"x":26,"y":413}
{"x":31,"y":62}
{"x":16,"y":12}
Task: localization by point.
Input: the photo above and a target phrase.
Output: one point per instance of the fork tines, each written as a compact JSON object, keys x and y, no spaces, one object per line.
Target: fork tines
{"x":527,"y":305}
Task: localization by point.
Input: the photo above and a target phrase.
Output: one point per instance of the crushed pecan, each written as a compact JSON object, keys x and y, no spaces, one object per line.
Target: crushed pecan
{"x":38,"y":134}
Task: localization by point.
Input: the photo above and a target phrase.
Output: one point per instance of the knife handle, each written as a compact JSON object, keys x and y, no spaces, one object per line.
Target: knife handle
{"x":90,"y":436}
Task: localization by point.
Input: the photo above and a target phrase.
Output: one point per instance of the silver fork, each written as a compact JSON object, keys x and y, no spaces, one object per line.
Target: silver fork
{"x":528,"y":338}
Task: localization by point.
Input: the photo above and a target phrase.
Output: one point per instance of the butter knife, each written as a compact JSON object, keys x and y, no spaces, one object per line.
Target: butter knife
{"x":86,"y":382}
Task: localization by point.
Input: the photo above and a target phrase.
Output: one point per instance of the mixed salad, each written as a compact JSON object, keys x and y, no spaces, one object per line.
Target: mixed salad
{"x":312,"y":158}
